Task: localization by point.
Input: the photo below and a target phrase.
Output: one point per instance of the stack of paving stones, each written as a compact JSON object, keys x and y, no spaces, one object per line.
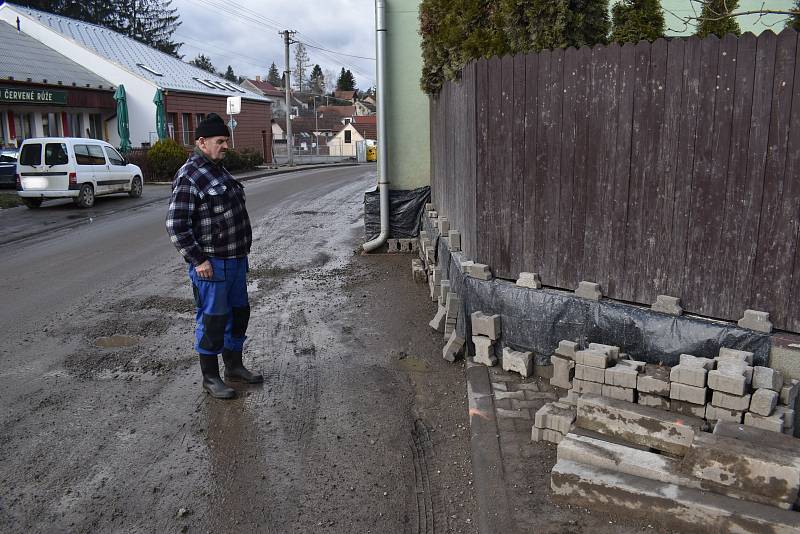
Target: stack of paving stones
{"x":633,"y":439}
{"x":486,"y":330}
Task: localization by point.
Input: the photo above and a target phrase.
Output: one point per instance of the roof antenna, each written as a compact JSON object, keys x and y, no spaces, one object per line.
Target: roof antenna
{"x":18,"y":29}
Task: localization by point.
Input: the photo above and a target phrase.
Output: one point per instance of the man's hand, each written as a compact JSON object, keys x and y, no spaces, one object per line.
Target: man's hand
{"x":204,"y":270}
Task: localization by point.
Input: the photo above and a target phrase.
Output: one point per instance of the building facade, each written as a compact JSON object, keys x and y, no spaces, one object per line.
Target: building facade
{"x":189,"y":92}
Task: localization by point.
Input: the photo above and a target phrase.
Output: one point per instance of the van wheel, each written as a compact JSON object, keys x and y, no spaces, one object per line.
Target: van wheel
{"x":136,"y":187}
{"x":85,"y":198}
{"x":32,"y":203}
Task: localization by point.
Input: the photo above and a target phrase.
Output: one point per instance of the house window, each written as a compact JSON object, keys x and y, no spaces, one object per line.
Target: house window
{"x":95,"y":126}
{"x":199,"y":118}
{"x":75,"y":124}
{"x":348,"y":136}
{"x":23,"y":124}
{"x":5,"y":138}
{"x":185,"y":128}
{"x":171,"y":125}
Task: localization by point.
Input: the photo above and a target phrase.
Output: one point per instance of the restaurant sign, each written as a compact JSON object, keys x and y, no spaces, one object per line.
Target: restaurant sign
{"x":32,"y":96}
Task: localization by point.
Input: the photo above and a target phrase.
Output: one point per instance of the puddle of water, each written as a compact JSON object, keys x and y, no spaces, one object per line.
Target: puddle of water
{"x":413,"y":364}
{"x":116,"y":341}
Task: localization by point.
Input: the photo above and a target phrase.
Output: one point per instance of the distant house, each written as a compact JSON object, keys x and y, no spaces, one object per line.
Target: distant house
{"x":307,"y":130}
{"x":275,"y":95}
{"x":345,"y":95}
{"x":364,"y":108}
{"x":345,"y":141}
{"x":338,"y":111}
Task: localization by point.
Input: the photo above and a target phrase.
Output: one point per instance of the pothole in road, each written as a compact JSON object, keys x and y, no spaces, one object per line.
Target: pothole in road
{"x":411,"y":364}
{"x":117,"y":341}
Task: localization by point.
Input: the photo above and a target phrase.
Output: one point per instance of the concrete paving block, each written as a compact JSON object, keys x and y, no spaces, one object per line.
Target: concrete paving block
{"x":485,"y":325}
{"x":453,"y":347}
{"x":732,"y":354}
{"x":788,"y":416}
{"x":479,"y":271}
{"x":765,"y":475}
{"x":591,"y":374}
{"x":420,"y":276}
{"x":729,"y":379}
{"x":584,"y":386}
{"x":589,"y":290}
{"x":611,"y":350}
{"x":432,"y":214}
{"x":654,"y":401}
{"x":696,"y":361}
{"x":454,"y":241}
{"x":622,"y":376}
{"x":731,"y":402}
{"x":546,"y":434}
{"x":773,"y":423}
{"x":654,"y":380}
{"x":570,"y":398}
{"x":638,"y":366}
{"x":638,"y":424}
{"x":667,"y":304}
{"x":763,"y":402}
{"x":789,"y":393}
{"x":592,"y":358}
{"x":563,"y":372}
{"x":688,"y":375}
{"x":484,"y":351}
{"x":756,"y":436}
{"x":444,"y":225}
{"x":555,"y":416}
{"x":619,"y":393}
{"x":437,"y":323}
{"x":714,"y":413}
{"x":530,"y":280}
{"x":453,"y":305}
{"x":429,"y":206}
{"x":756,"y":320}
{"x":444,"y":289}
{"x":685,"y":392}
{"x":392,"y":246}
{"x":518,"y":361}
{"x":670,"y":506}
{"x":567,"y":348}
{"x":619,"y":457}
{"x":680,"y":407}
{"x":767,"y":377}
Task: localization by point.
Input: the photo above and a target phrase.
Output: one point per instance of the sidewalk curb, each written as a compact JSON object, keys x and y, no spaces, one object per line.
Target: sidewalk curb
{"x":78,"y":222}
{"x":494,"y":511}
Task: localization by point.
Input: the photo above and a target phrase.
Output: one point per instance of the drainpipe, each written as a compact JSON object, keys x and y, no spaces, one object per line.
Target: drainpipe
{"x":383,"y":182}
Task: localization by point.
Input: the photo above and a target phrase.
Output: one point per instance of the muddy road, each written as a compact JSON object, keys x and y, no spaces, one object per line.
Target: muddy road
{"x":360,"y":425}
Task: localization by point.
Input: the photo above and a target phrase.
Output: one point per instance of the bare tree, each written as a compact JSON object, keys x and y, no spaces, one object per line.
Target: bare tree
{"x":710,"y":11}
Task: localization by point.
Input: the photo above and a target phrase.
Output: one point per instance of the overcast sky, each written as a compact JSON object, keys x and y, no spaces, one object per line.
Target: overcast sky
{"x":244,"y":34}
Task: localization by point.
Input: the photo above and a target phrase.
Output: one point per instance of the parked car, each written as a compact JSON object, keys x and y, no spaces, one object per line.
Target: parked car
{"x":73,"y":167}
{"x":8,"y":166}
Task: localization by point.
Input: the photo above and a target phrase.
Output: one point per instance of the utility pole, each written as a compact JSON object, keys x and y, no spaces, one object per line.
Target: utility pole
{"x":287,"y":40}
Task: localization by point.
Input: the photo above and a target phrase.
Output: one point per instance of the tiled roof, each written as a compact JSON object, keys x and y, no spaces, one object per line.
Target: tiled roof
{"x":153,"y":65}
{"x":367,"y":131}
{"x":345,"y":95}
{"x":322,"y":124}
{"x":267,"y":88}
{"x":341,"y":111}
{"x":365,"y":119}
{"x":24,"y":58}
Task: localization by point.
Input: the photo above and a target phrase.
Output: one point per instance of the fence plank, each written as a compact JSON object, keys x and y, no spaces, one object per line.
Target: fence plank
{"x":483,"y":182}
{"x":501,"y":72}
{"x":552,"y":188}
{"x":775,"y":257}
{"x":738,"y":194}
{"x":700,"y":217}
{"x":666,"y":164}
{"x":566,"y":211}
{"x":517,"y":156}
{"x":540,"y":172}
{"x":530,"y":223}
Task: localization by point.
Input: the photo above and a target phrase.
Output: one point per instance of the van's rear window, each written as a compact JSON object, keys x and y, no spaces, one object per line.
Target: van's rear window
{"x":31,"y":154}
{"x":55,"y":154}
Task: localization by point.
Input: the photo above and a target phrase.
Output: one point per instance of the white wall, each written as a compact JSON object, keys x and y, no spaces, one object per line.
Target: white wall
{"x":140,"y":92}
{"x":338,"y":146}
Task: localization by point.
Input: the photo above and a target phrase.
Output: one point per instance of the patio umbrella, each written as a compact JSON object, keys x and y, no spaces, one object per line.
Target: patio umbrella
{"x":161,"y":116}
{"x":122,"y":119}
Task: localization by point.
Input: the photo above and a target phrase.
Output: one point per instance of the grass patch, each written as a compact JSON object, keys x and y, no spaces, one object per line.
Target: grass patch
{"x":9,"y":200}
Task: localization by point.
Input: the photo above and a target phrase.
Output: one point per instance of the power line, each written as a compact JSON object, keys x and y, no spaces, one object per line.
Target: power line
{"x":337,"y":53}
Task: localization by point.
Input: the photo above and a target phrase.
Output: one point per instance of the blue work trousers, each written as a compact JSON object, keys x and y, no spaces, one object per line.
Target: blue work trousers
{"x":223,"y":310}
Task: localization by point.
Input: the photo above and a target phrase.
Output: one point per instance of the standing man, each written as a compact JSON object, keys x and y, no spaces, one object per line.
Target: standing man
{"x":208,"y":224}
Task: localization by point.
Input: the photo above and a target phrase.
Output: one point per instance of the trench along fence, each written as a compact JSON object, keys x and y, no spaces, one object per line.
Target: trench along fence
{"x":670,"y":167}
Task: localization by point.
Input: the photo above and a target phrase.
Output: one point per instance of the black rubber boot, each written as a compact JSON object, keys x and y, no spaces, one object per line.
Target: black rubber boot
{"x":212,"y":383}
{"x":235,"y":371}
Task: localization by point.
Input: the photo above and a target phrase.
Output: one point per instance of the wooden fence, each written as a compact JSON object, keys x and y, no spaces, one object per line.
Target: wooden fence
{"x":670,"y":167}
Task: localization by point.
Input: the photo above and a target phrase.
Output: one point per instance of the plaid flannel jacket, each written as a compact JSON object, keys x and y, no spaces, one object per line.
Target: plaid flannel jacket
{"x":207,"y":215}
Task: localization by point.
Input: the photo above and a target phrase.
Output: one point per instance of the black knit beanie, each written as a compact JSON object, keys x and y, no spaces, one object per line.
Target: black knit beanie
{"x":212,"y":126}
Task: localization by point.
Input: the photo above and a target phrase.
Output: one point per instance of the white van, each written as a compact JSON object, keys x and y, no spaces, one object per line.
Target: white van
{"x":73,"y":167}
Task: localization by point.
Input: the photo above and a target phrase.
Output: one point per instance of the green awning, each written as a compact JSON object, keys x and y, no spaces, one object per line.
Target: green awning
{"x":161,"y":114}
{"x":123,"y":128}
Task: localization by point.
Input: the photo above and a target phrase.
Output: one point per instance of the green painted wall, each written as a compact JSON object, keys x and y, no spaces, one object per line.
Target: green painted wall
{"x":407,"y":118}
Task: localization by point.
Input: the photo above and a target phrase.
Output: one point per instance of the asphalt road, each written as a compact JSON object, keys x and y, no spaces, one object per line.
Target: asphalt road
{"x":360,"y":426}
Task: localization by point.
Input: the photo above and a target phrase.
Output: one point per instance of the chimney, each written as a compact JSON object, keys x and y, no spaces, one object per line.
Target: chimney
{"x":258,"y":78}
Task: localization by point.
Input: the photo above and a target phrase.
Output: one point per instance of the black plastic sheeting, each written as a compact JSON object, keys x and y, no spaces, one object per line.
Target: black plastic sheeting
{"x":537,"y":319}
{"x":406,"y":208}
